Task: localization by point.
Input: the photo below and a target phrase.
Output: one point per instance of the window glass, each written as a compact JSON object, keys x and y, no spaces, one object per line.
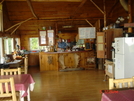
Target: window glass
{"x":8,"y":45}
{"x":1,"y":48}
{"x":34,"y":44}
{"x":50,"y":37}
{"x":1,"y":18}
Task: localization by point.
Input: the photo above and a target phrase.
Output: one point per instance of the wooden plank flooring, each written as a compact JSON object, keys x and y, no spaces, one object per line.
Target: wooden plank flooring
{"x":84,"y":85}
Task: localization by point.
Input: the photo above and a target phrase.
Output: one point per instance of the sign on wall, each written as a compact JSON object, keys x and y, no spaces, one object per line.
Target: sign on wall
{"x":87,"y":32}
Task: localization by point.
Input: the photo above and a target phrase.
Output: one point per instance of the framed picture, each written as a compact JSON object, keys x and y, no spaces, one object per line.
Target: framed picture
{"x":87,"y":32}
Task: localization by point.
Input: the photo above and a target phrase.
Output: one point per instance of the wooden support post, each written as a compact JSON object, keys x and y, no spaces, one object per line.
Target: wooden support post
{"x":130,"y":14}
{"x":105,"y":22}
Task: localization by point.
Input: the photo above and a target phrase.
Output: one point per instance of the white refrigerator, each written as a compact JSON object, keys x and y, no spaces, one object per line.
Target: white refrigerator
{"x":124,"y":57}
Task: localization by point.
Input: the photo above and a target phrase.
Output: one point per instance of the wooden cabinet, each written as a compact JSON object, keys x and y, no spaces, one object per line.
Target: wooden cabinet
{"x":63,"y":60}
{"x":104,"y":42}
{"x":48,"y":61}
{"x":33,"y":59}
{"x":110,"y":35}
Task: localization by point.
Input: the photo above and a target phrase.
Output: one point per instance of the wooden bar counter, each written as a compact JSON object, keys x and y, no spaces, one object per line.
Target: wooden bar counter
{"x":63,"y":60}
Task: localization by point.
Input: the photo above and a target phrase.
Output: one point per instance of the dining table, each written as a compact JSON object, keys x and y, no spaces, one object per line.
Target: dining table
{"x":24,"y":83}
{"x":118,"y":95}
{"x":14,"y":63}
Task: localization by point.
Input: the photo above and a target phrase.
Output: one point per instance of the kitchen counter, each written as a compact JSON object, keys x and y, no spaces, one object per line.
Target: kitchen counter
{"x":63,"y":60}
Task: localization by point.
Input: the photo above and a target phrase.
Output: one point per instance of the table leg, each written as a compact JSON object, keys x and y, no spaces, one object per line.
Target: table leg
{"x":21,"y":98}
{"x":28,"y":96}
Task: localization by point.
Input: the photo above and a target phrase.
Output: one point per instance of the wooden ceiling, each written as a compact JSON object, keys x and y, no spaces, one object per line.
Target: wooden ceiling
{"x":31,"y":15}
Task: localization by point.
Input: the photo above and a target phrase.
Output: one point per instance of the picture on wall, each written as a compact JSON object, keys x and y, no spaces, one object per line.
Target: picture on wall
{"x":87,"y":32}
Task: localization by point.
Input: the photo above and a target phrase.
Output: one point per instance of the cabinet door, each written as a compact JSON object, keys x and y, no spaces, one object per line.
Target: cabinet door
{"x":111,"y":34}
{"x":100,"y":44}
{"x":33,"y":59}
{"x":48,"y":61}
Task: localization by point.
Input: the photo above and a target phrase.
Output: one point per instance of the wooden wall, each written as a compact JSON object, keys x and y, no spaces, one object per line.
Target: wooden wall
{"x":25,"y":41}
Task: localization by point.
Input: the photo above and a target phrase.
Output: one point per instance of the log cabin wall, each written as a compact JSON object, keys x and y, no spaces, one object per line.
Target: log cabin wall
{"x":61,"y":13}
{"x":25,"y":44}
{"x":73,"y":12}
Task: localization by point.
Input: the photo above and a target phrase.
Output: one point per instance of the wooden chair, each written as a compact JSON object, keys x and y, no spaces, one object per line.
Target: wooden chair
{"x":121,"y":83}
{"x":5,"y":93}
{"x":24,"y":67}
{"x":11,"y":71}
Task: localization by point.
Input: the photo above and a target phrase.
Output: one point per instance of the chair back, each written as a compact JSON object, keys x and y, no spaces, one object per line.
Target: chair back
{"x":11,"y":71}
{"x":121,"y":83}
{"x":5,"y":92}
{"x":25,"y":64}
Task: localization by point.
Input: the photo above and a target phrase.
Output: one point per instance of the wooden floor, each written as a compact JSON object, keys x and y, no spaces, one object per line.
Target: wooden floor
{"x":84,"y":85}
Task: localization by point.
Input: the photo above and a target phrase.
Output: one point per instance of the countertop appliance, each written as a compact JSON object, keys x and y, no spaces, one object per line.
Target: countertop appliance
{"x":124,"y":57}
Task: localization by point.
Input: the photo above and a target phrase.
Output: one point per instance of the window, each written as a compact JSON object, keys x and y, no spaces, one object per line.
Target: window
{"x":8,"y":45}
{"x":34,"y":43}
{"x":1,"y":48}
{"x":42,"y":38}
{"x":1,"y":18}
{"x":46,"y":37}
{"x":50,"y":34}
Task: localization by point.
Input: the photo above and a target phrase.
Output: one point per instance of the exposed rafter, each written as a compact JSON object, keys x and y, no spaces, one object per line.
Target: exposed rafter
{"x":89,"y":23}
{"x":31,"y":8}
{"x":81,"y":4}
{"x":97,"y":7}
{"x":18,"y":24}
{"x":50,"y":0}
{"x":2,"y":1}
{"x":117,"y":1}
{"x":15,"y":29}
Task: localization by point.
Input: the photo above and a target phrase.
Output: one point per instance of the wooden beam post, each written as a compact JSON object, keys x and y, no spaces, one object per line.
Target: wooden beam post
{"x":130,"y":14}
{"x":105,"y":18}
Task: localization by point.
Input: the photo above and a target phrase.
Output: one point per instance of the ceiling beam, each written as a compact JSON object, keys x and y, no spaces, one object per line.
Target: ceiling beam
{"x":81,"y":4}
{"x":15,"y":29}
{"x":2,"y":1}
{"x":31,"y":8}
{"x":50,"y":0}
{"x":117,"y":1}
{"x":97,"y":6}
{"x":59,"y":20}
{"x":89,"y":23}
{"x":17,"y":24}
